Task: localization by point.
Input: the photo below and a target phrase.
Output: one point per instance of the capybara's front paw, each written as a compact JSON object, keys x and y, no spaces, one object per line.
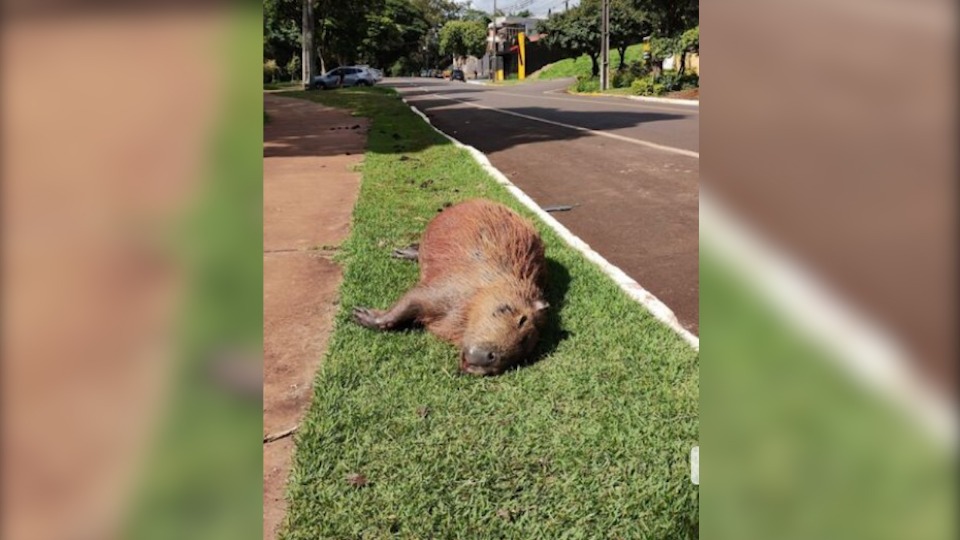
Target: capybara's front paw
{"x":369,"y":318}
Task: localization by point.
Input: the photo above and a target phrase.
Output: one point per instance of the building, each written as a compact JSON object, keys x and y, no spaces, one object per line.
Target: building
{"x":507,"y":30}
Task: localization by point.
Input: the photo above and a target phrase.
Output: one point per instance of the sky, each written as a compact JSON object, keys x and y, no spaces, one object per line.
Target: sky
{"x":537,"y":7}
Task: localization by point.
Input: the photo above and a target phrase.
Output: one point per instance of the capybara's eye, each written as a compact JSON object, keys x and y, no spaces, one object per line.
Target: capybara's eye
{"x":504,"y":308}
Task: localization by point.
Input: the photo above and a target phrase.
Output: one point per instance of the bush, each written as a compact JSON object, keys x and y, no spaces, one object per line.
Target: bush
{"x":689,"y":80}
{"x":642,"y":86}
{"x":623,"y":78}
{"x":270,"y":71}
{"x":588,"y":84}
{"x":401,"y":68}
{"x":668,"y":81}
{"x":674,"y":81}
{"x":648,"y":86}
{"x":294,"y":69}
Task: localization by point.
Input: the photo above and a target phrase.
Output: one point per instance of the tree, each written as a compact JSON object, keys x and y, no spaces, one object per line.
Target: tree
{"x":393,"y":32}
{"x":522,"y":13}
{"x":476,"y":15}
{"x":670,"y":17}
{"x":341,"y":28}
{"x":468,"y":13}
{"x":689,"y":42}
{"x":281,"y":30}
{"x":380,"y":32}
{"x":576,"y":32}
{"x":628,"y":26}
{"x":463,"y":38}
{"x":438,"y":12}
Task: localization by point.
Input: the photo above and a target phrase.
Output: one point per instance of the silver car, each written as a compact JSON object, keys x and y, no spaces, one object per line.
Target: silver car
{"x":345,"y":76}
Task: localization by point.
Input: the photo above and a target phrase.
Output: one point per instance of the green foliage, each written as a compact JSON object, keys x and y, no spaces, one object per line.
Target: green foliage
{"x":379,"y":32}
{"x":648,"y":86}
{"x":669,"y":17}
{"x":628,"y":25}
{"x":662,"y":48}
{"x":403,"y":67}
{"x":658,"y":85}
{"x":463,"y":38}
{"x":622,"y":78}
{"x":376,"y":32}
{"x":270,"y":71}
{"x":293,"y":68}
{"x":587,"y":84}
{"x":393,"y":32}
{"x":471,"y":14}
{"x":573,"y":67}
{"x":281,"y":29}
{"x":673,"y":80}
{"x":690,"y":40}
{"x":576,"y":32}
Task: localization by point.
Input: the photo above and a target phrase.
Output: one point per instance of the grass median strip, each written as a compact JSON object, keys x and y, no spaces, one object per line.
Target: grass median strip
{"x":592,"y":440}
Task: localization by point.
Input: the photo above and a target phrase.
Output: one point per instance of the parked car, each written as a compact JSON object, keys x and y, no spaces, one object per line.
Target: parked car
{"x":424,"y":73}
{"x":437,"y":74}
{"x":458,"y":75}
{"x":345,"y":76}
{"x":377,"y":74}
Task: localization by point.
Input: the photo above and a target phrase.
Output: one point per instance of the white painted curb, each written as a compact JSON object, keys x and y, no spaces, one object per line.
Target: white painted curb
{"x":867,"y":352}
{"x":674,"y":101}
{"x":633,"y":289}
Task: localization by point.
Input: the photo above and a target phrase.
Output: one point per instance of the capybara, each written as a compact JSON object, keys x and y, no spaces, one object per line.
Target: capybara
{"x":482,"y":276}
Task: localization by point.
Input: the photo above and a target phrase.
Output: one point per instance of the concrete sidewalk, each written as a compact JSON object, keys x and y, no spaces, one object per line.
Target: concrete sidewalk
{"x":309,"y":190}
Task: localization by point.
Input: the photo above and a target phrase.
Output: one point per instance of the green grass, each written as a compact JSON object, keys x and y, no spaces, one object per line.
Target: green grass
{"x":794,"y":449}
{"x":575,"y":67}
{"x":283,"y":85}
{"x":591,"y":441}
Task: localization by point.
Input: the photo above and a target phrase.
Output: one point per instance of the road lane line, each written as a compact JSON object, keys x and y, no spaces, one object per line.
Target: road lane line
{"x":639,"y":142}
{"x":595,"y":101}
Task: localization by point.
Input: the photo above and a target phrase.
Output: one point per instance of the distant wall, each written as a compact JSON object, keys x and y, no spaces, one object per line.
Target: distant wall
{"x":539,"y":55}
{"x":473,"y":67}
{"x":692,"y":64}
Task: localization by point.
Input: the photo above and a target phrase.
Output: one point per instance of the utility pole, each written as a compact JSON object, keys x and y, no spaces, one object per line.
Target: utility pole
{"x":495,"y":49}
{"x":495,"y":59}
{"x":605,"y":47}
{"x":307,"y":66}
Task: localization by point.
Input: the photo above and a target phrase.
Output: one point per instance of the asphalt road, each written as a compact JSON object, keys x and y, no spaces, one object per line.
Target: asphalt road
{"x":632,"y":168}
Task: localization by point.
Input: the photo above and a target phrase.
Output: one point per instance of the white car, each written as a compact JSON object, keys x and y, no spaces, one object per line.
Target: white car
{"x":377,"y":74}
{"x":345,"y":76}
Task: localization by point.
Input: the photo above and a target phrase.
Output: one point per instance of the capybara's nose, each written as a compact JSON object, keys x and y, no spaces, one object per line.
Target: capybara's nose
{"x":480,"y":356}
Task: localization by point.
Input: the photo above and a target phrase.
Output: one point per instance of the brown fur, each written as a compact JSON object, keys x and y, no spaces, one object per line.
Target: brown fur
{"x":482,"y":273}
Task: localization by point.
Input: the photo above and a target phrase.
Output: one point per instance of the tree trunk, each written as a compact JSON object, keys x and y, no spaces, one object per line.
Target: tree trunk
{"x":308,"y":51}
{"x":683,"y":63}
{"x":623,"y":57}
{"x":594,"y":66}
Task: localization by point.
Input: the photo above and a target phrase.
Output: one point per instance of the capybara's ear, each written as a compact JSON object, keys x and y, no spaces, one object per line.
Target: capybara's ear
{"x":540,"y":305}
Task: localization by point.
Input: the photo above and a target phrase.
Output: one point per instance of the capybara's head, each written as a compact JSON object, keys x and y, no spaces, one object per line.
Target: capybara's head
{"x":503,"y":329}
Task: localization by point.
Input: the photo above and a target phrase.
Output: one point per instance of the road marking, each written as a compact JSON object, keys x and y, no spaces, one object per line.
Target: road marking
{"x":594,"y":101}
{"x":639,"y":142}
{"x":634,"y":290}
